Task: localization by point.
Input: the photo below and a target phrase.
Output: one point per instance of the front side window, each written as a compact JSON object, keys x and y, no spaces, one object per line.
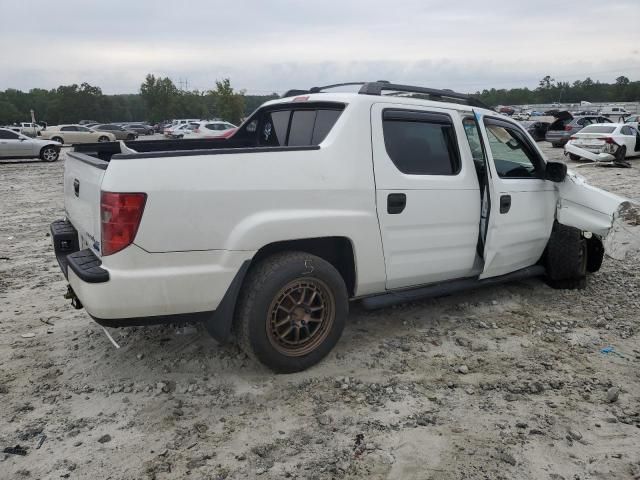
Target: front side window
{"x":473,"y":136}
{"x":420,"y":143}
{"x":513,"y":157}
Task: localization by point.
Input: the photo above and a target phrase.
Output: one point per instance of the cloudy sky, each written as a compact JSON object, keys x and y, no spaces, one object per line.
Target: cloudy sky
{"x":274,"y":45}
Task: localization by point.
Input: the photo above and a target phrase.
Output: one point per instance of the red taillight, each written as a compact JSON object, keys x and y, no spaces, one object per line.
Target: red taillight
{"x":608,"y":140}
{"x":568,"y":128}
{"x":120,"y":215}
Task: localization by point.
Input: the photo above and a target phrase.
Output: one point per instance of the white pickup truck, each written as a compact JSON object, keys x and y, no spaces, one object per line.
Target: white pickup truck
{"x":321,"y":198}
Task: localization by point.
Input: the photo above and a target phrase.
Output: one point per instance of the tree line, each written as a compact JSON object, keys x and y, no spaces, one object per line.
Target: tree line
{"x":159,"y":99}
{"x":551,"y":91}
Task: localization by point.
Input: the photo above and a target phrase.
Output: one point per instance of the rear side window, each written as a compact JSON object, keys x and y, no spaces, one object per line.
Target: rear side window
{"x":6,"y":135}
{"x":274,"y":128}
{"x":295,"y":128}
{"x":421,"y":143}
{"x":68,"y":129}
{"x":598,"y":129}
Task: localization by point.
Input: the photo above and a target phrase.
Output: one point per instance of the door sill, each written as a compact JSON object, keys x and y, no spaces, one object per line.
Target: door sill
{"x":447,"y":288}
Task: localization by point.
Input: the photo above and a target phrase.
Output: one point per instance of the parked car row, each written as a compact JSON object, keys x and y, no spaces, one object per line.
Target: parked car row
{"x":199,"y":129}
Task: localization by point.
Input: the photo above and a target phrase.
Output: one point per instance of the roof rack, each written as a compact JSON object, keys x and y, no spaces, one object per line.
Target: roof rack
{"x":376,"y":88}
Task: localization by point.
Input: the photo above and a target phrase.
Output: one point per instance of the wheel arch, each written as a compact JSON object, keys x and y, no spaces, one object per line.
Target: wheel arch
{"x":338,"y":251}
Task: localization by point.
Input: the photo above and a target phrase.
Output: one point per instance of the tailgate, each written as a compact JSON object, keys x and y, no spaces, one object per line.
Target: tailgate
{"x":83,"y":176}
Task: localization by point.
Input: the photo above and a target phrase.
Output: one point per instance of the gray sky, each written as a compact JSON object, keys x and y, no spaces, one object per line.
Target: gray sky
{"x":274,"y":45}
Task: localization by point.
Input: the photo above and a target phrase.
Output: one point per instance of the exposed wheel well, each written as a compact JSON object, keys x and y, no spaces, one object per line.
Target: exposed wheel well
{"x":338,"y":251}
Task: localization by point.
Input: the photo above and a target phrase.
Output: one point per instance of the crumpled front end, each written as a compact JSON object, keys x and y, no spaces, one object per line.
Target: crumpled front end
{"x":615,"y":219}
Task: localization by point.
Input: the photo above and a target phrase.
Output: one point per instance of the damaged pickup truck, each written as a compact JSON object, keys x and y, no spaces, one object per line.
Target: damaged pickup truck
{"x":319,"y":199}
{"x":608,"y":142}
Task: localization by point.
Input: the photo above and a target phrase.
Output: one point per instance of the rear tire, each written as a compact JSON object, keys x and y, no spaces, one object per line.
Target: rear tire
{"x":130,"y":137}
{"x":574,"y":157}
{"x":291,"y":311}
{"x":621,"y":154}
{"x":58,"y":139}
{"x":49,"y":154}
{"x":566,"y":258}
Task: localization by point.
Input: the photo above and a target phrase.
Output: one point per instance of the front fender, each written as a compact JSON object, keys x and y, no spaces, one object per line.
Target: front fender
{"x":586,"y":207}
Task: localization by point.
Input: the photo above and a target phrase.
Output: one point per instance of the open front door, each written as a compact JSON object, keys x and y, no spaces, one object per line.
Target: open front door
{"x":522,"y":203}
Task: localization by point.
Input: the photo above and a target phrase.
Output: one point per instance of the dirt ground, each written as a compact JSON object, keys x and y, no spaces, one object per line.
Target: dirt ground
{"x":500,"y":383}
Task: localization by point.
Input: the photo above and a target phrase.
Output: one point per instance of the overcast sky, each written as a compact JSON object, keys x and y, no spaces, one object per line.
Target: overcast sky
{"x":274,"y":45}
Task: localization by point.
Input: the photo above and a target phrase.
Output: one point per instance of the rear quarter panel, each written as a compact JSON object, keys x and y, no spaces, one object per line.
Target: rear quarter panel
{"x":244,"y":201}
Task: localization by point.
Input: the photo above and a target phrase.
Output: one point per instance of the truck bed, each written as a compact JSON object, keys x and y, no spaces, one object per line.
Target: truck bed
{"x":106,"y":150}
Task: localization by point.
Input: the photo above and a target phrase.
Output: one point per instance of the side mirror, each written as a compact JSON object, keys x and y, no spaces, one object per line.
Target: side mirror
{"x":555,"y":172}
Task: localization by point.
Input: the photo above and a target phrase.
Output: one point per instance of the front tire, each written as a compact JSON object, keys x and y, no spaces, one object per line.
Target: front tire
{"x":574,"y":157}
{"x":49,"y":154}
{"x":130,"y":137}
{"x":103,"y":139}
{"x":292,"y":311}
{"x":566,"y":258}
{"x":58,"y":139}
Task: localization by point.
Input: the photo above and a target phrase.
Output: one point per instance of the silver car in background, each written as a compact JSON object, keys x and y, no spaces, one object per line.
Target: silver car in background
{"x":16,"y":145}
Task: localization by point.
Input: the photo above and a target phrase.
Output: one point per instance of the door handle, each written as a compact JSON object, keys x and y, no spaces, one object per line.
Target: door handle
{"x":505,"y":203}
{"x":396,"y":203}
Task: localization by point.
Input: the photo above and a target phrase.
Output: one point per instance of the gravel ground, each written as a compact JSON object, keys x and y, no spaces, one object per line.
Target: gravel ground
{"x":502,"y":382}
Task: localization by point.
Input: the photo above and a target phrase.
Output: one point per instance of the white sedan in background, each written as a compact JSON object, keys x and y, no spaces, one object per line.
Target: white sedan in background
{"x":68,"y":134}
{"x":604,"y":142}
{"x":179,"y":131}
{"x":211,"y":129}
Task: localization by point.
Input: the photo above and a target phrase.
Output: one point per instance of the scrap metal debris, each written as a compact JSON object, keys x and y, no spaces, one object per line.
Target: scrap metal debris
{"x":17,"y":450}
{"x":624,"y":235}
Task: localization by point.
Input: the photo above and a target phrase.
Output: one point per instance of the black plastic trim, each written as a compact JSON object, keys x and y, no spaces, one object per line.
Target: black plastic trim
{"x":447,"y":288}
{"x":416,"y":116}
{"x":87,"y":266}
{"x":376,"y":88}
{"x":219,"y":325}
{"x":93,"y":161}
{"x":156,"y":320}
{"x":221,"y":151}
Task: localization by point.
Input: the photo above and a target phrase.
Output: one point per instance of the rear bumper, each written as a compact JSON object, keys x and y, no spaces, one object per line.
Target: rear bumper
{"x":134,"y":287}
{"x":589,"y":154}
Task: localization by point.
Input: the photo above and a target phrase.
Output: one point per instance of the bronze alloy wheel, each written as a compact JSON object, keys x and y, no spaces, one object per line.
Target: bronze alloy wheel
{"x":300,"y":316}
